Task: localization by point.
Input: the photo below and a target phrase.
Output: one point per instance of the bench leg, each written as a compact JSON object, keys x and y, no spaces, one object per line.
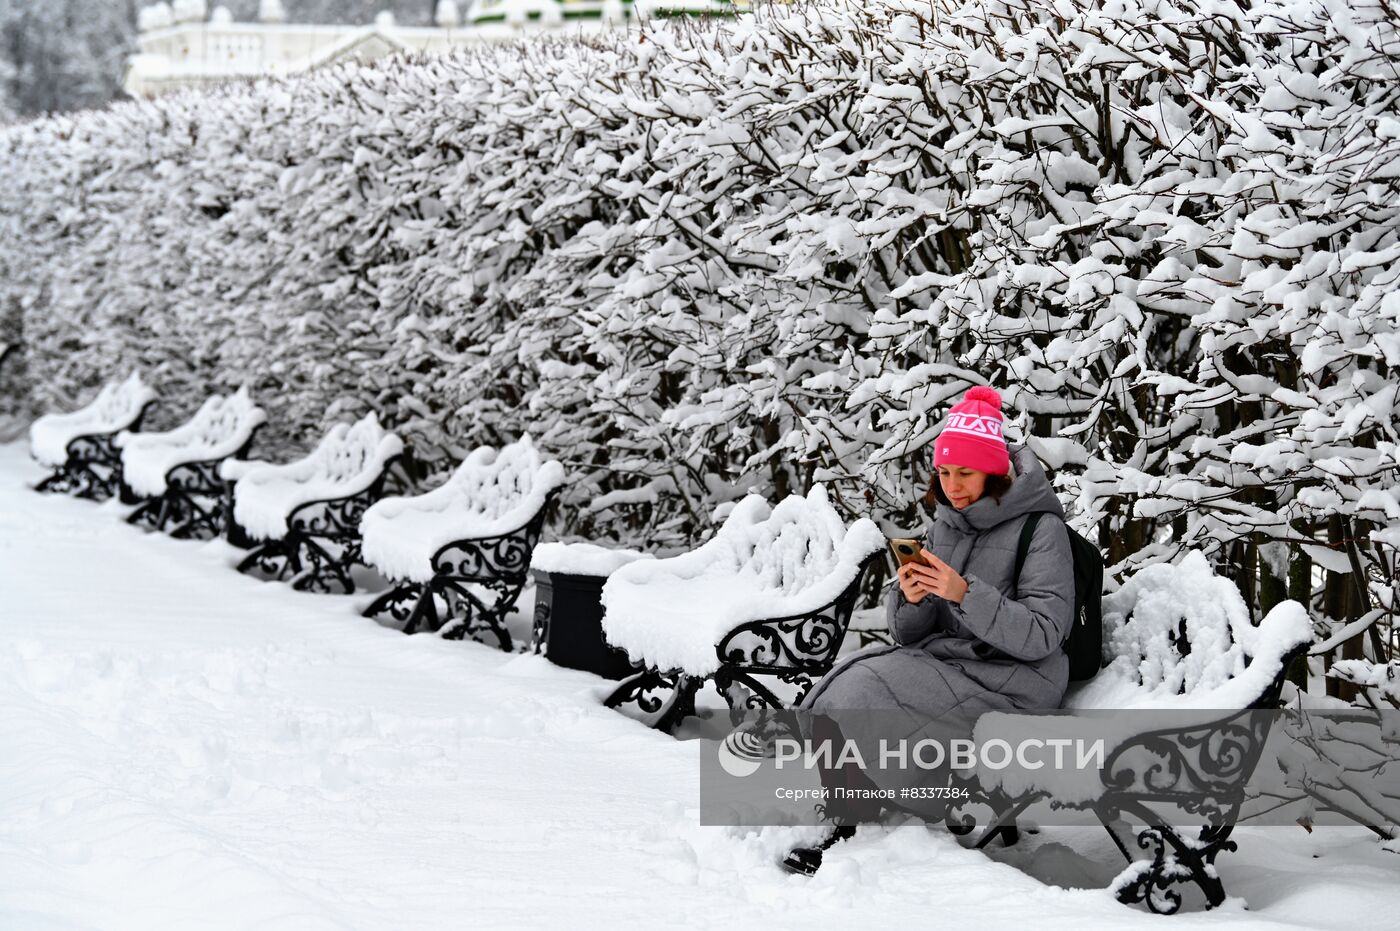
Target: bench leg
{"x":58,"y":482}
{"x":318,"y":567}
{"x":189,"y":519}
{"x":1002,"y":826}
{"x":683,"y":707}
{"x":468,"y":615}
{"x":150,"y":515}
{"x":172,"y":512}
{"x":271,"y":559}
{"x":77,"y":478}
{"x":652,"y":691}
{"x":90,"y":483}
{"x":424,"y":613}
{"x":100,"y":488}
{"x":1005,"y":811}
{"x":743,"y":692}
{"x":198,"y":525}
{"x":405,"y":604}
{"x":1175,"y":859}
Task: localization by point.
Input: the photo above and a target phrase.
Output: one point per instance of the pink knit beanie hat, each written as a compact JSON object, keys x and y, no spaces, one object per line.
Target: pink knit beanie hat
{"x":972,"y":437}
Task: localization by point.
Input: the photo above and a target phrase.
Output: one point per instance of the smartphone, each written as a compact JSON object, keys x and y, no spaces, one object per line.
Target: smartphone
{"x":907,"y":551}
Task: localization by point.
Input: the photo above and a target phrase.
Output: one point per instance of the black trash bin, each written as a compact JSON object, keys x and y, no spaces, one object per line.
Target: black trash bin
{"x":568,"y":625}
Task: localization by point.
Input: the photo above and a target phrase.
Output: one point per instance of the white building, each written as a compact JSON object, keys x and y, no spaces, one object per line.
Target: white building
{"x":181,"y":45}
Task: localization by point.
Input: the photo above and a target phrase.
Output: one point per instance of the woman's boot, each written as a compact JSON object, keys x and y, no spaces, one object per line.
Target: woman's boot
{"x":807,"y":860}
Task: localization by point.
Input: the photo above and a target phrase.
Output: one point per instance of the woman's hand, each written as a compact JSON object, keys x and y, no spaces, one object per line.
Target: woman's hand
{"x":937,"y":578}
{"x":911,"y":582}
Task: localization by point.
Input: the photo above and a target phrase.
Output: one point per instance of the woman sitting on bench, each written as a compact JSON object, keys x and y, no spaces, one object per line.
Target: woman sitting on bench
{"x":968,"y":637}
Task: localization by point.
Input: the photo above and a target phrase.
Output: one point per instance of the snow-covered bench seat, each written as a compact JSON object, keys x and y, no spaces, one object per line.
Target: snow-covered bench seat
{"x":79,"y":447}
{"x":307,"y":513}
{"x":1176,"y":708}
{"x":769,"y":595}
{"x":177,"y":471}
{"x":476,"y":529}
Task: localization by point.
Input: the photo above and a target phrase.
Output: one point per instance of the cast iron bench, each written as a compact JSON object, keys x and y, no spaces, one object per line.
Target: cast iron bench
{"x":770,"y":595}
{"x":304,"y":517}
{"x":477,"y":529}
{"x":80,"y":447}
{"x":177,"y":471}
{"x":1192,"y":767}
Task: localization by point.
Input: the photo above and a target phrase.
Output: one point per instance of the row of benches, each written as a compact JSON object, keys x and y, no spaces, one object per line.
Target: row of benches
{"x":759,"y":612}
{"x":458,"y":556}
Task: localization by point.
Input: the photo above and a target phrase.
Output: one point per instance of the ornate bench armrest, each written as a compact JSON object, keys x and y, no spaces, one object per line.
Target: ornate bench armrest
{"x":340,"y":516}
{"x":800,"y":642}
{"x":503,"y":555}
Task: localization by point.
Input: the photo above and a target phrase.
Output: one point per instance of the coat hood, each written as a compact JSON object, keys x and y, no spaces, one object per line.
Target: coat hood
{"x":1030,"y":492}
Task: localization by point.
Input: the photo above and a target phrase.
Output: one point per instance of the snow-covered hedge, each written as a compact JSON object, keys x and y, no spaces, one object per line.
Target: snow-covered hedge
{"x":765,"y":253}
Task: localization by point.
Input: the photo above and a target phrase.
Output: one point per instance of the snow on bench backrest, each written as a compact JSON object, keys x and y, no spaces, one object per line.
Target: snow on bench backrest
{"x":1143,"y":622}
{"x":491,"y":493}
{"x":345,"y":463}
{"x":763,"y":563}
{"x":220,"y":428}
{"x":1149,"y":674}
{"x":116,"y":406}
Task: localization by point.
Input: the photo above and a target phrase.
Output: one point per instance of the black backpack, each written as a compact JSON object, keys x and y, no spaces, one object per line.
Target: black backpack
{"x":1085,"y":644}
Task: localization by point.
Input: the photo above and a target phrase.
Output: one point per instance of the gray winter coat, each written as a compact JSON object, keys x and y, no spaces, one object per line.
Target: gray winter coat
{"x":1001,"y":648}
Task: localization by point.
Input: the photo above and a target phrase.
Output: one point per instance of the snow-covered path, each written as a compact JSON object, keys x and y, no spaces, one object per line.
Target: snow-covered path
{"x":184,"y":747}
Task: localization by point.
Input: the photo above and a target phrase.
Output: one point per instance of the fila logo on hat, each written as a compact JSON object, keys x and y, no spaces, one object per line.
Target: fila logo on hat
{"x":975,"y":424}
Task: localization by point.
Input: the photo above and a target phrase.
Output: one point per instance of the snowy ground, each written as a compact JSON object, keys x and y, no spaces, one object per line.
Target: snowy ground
{"x":184,"y":747}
